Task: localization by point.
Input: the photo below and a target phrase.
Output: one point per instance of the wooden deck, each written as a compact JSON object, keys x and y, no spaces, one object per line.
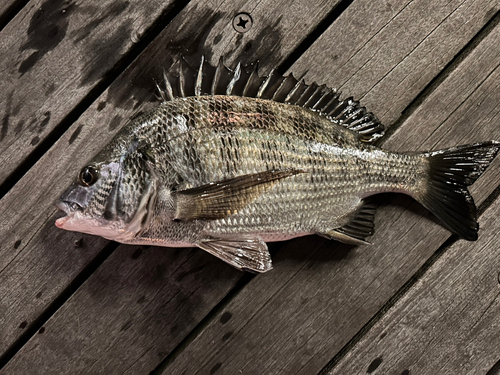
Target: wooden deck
{"x":418,"y":301}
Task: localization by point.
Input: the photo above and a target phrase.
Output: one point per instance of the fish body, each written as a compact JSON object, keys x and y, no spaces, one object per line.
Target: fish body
{"x":228,"y":172}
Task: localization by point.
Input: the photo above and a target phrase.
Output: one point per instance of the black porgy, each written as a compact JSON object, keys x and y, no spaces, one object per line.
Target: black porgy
{"x":230,"y":160}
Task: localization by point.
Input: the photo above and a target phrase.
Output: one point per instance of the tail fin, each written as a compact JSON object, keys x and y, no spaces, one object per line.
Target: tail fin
{"x":450,"y":172}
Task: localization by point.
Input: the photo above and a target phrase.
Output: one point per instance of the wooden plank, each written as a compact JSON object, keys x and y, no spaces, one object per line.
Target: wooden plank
{"x":7,"y":9}
{"x":266,"y":287}
{"x":296,"y":318}
{"x":119,"y":97}
{"x":389,"y":51}
{"x":199,"y":25}
{"x":447,"y":323}
{"x":52,"y":54}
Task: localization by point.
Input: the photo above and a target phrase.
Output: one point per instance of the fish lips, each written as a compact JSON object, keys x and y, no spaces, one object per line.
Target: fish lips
{"x":74,"y":199}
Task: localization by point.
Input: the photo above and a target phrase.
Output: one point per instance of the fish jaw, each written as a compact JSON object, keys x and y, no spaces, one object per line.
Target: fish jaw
{"x":115,"y":230}
{"x":76,"y":221}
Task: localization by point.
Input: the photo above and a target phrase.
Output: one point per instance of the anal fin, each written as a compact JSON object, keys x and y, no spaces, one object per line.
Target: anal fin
{"x":357,"y":229}
{"x":243,"y":252}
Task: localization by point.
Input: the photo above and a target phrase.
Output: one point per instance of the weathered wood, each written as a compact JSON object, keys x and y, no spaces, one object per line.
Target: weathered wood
{"x":6,"y":10}
{"x":385,"y":52}
{"x":447,"y":323}
{"x":289,"y":262}
{"x":52,"y":54}
{"x":200,"y":25}
{"x":296,"y":318}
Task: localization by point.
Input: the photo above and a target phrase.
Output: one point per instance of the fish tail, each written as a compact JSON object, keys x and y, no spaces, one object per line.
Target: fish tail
{"x":450,"y":172}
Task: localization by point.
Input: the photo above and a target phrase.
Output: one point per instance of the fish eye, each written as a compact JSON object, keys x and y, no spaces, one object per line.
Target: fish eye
{"x":88,"y":176}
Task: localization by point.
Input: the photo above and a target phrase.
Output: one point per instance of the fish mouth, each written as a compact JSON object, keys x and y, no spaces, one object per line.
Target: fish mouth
{"x":69,"y":208}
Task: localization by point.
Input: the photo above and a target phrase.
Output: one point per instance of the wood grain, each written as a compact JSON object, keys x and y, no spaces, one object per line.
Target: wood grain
{"x":201,"y":24}
{"x":388,"y":51}
{"x":52,"y":54}
{"x":296,"y":318}
{"x":7,"y":8}
{"x":322,"y":276}
{"x":447,"y":323}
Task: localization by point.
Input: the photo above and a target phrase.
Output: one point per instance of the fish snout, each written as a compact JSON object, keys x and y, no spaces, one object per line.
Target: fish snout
{"x":75,"y":198}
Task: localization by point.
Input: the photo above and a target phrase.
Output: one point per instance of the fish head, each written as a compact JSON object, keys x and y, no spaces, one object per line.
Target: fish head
{"x":112,"y":197}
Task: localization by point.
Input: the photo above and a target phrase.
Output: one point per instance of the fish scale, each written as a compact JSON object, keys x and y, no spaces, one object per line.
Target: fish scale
{"x":258,"y":159}
{"x":202,"y":147}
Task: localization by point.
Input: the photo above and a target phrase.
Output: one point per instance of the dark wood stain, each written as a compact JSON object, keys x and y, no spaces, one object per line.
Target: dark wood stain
{"x":75,"y":134}
{"x":141,"y":300}
{"x":127,"y":325}
{"x":374,"y":365}
{"x":45,"y":120}
{"x":47,"y":29}
{"x":115,"y":10}
{"x":50,"y":89}
{"x":225,"y":317}
{"x":103,"y":51}
{"x":115,"y":122}
{"x":215,"y":368}
{"x":101,"y":106}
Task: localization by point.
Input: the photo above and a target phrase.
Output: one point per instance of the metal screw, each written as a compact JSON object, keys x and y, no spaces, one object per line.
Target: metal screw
{"x":242,"y":22}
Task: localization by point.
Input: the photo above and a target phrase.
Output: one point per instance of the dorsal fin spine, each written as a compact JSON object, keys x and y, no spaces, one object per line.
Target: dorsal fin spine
{"x":168,"y":86}
{"x":253,"y":76}
{"x":310,"y":102}
{"x":347,"y":113}
{"x":236,"y":77}
{"x":282,"y":91}
{"x":199,"y":77}
{"x":161,"y":92}
{"x":218,"y":72}
{"x":294,"y":90}
{"x":315,"y":106}
{"x":181,"y":78}
{"x":262,"y":88}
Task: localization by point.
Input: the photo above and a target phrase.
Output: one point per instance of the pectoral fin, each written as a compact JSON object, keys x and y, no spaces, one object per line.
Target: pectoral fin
{"x":220,"y":199}
{"x":243,"y":252}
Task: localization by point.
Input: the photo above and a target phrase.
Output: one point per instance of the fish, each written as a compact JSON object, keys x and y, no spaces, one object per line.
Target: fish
{"x":230,"y":160}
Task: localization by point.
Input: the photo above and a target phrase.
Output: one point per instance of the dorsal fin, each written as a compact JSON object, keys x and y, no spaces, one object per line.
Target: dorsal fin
{"x":183,"y":81}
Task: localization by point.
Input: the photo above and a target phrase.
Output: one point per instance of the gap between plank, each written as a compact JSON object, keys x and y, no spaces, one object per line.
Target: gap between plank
{"x":11,"y":12}
{"x":240,"y":284}
{"x":495,"y":370}
{"x":388,"y":305}
{"x":314,"y":35}
{"x":245,"y":279}
{"x":433,"y":84}
{"x":58,"y":302}
{"x":150,"y":34}
{"x":439,"y":78}
{"x":405,"y":289}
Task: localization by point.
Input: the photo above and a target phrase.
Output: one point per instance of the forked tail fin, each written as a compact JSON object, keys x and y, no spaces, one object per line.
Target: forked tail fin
{"x":450,"y":172}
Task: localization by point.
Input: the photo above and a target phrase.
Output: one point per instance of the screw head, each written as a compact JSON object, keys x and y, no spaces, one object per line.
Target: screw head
{"x":242,"y":22}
